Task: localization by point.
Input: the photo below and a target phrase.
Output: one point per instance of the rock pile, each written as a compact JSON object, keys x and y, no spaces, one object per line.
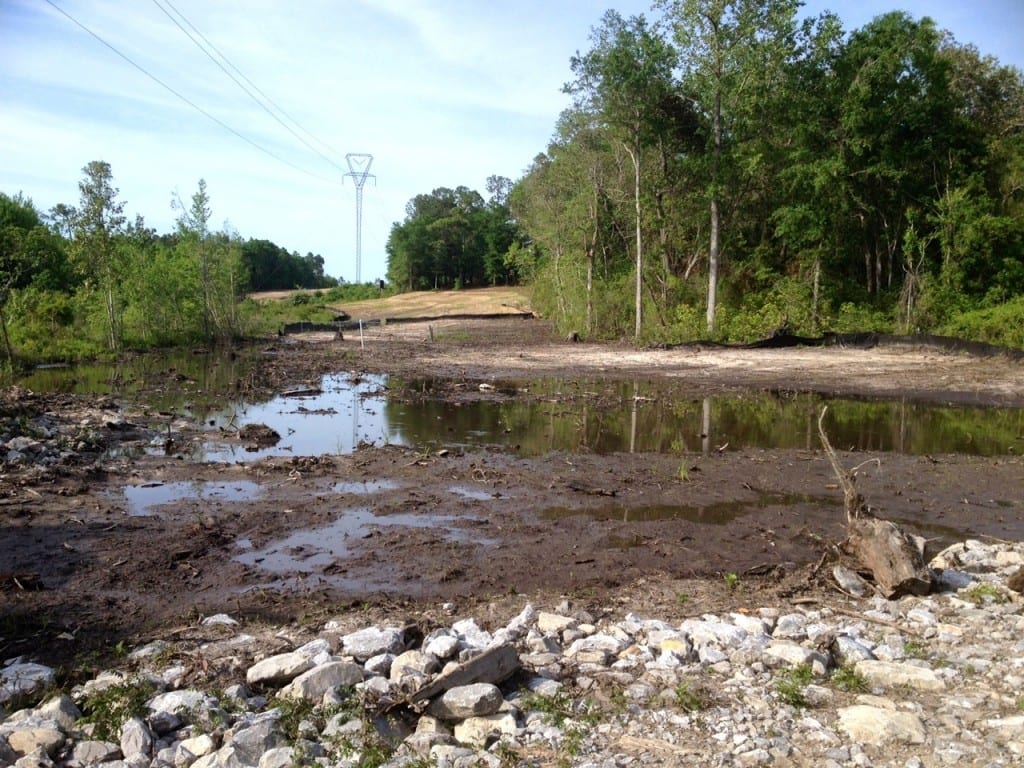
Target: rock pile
{"x":923,"y":681}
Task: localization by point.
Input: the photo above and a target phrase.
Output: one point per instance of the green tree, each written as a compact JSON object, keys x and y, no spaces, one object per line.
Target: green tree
{"x":623,"y":81}
{"x":732,"y":53}
{"x":97,"y":223}
{"x":29,"y":253}
{"x":194,"y":230}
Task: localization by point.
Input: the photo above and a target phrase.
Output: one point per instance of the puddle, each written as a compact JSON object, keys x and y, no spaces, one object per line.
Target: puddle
{"x":315,"y":549}
{"x":144,"y":499}
{"x":572,"y":416}
{"x":343,"y":413}
{"x":708,"y":514}
{"x":475,"y":494}
{"x":365,"y":487}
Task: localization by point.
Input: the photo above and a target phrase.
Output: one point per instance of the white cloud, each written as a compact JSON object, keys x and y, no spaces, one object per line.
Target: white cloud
{"x":441,"y":92}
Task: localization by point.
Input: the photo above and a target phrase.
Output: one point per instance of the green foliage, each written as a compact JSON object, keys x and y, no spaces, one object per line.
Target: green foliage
{"x":732,"y":581}
{"x":869,"y":185}
{"x":849,"y":680}
{"x":109,"y":708}
{"x":791,"y":684}
{"x":270,"y":267}
{"x":985,"y":593}
{"x":915,"y":649}
{"x":689,"y":698}
{"x":1002,"y":325}
{"x":451,"y":238}
{"x":269,"y":316}
{"x":858,"y":318}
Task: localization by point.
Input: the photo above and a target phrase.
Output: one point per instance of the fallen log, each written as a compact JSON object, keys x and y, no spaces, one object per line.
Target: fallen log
{"x":494,"y":665}
{"x":894,"y":558}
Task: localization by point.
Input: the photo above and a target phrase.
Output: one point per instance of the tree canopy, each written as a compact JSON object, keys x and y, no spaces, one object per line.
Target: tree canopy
{"x":452,"y":238}
{"x":776,"y":172}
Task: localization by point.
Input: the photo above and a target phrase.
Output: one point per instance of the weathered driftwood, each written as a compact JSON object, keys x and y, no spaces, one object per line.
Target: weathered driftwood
{"x":894,"y":558}
{"x":492,"y":666}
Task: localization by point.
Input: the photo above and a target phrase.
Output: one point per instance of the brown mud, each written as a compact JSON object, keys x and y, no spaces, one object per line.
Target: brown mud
{"x":397,"y":532}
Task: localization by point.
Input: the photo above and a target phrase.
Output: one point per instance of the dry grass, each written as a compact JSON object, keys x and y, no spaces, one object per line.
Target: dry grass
{"x":476,"y":301}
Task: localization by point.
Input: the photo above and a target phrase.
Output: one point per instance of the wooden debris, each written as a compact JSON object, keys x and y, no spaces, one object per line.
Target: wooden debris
{"x":894,"y":558}
{"x":492,"y":666}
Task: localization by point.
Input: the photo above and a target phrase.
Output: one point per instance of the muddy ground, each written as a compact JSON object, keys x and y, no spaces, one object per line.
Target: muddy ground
{"x":480,"y":531}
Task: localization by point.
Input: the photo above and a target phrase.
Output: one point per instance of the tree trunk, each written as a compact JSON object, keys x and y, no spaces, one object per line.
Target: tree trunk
{"x":893,"y":556}
{"x":713,"y":250}
{"x":634,"y":155}
{"x":7,"y":339}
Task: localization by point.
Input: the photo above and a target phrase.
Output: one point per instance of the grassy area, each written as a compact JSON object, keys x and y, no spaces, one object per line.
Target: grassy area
{"x":476,"y":301}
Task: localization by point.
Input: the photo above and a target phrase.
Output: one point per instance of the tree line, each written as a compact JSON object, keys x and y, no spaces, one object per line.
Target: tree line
{"x":453,"y":238}
{"x":730,"y":169}
{"x":82,"y":279}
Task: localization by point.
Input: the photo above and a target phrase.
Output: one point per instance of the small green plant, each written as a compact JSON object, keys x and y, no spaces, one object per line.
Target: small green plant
{"x":561,"y":706}
{"x":980,"y":594}
{"x":684,"y":473}
{"x":110,"y":708}
{"x":1020,"y":703}
{"x":682,"y":598}
{"x":849,"y":680}
{"x":690,"y":699}
{"x":790,"y":686}
{"x":732,"y":581}
{"x":618,"y":699}
{"x":915,"y":649}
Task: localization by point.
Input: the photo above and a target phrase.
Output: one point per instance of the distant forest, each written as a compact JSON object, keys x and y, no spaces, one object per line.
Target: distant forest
{"x":733,"y":170}
{"x":83,"y":280}
{"x":724,"y":173}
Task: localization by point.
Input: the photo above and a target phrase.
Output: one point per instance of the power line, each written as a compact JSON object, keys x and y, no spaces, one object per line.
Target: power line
{"x":185,"y":99}
{"x":236,"y":81}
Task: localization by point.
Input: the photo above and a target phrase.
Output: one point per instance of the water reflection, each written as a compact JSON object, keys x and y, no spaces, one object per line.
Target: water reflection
{"x":532,"y":417}
{"x":143,"y":500}
{"x":652,"y":417}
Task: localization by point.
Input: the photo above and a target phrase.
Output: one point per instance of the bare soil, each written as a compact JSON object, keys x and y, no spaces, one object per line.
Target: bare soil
{"x":78,"y":574}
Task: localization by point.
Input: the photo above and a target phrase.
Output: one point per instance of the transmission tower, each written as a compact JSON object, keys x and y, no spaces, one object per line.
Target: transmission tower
{"x":359,"y":170}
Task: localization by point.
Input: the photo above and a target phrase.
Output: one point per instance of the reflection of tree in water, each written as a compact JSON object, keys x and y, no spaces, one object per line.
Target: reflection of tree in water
{"x":606,"y":417}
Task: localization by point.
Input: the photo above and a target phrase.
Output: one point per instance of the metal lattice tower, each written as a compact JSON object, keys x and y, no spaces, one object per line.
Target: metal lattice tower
{"x":359,"y":170}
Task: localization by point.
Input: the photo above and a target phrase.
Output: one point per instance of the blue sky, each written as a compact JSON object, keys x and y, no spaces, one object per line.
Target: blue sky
{"x":441,"y":92}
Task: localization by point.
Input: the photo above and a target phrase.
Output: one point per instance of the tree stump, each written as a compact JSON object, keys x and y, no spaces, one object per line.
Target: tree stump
{"x":894,"y":557}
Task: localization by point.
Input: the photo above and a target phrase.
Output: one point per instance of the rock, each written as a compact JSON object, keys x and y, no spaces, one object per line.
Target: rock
{"x":316,"y":682}
{"x":168,"y":711}
{"x":278,"y":669}
{"x":796,"y":655}
{"x":850,"y":581}
{"x":136,"y":738}
{"x":477,"y":730}
{"x":553,"y":624}
{"x":443,"y":645}
{"x":470,"y":634}
{"x":63,"y":710}
{"x":94,"y":752}
{"x":29,"y":740}
{"x":888,"y":674}
{"x":197,"y":746}
{"x":848,"y":651}
{"x":1016,"y":580}
{"x":466,"y":701}
{"x":278,"y":757}
{"x":21,"y":681}
{"x":372,"y":641}
{"x":415,"y":663}
{"x":878,"y":726}
{"x":248,"y":741}
{"x":659,"y":708}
